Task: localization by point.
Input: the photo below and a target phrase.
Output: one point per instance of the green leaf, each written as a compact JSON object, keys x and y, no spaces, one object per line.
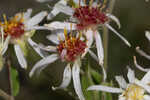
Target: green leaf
{"x":97,"y":77}
{"x":15,"y":82}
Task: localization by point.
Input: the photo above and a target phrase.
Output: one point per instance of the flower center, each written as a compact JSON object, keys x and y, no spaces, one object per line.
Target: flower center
{"x":89,"y":17}
{"x":13,"y":27}
{"x":134,"y":92}
{"x":71,"y":48}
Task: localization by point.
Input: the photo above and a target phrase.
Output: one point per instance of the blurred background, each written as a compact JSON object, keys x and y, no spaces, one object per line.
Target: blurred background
{"x":134,"y":16}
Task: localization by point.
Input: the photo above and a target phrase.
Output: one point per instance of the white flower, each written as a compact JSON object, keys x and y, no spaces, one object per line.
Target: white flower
{"x":19,"y":29}
{"x":142,"y":53}
{"x":68,"y":48}
{"x":134,"y":90}
{"x":87,"y":18}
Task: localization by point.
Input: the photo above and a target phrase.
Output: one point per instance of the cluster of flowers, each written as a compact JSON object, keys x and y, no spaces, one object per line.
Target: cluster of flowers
{"x":71,"y":45}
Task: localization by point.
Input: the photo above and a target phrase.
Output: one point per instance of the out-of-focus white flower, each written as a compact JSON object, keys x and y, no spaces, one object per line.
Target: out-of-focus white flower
{"x":69,"y":48}
{"x":88,"y":18}
{"x":142,"y":53}
{"x":19,"y":29}
{"x":134,"y":90}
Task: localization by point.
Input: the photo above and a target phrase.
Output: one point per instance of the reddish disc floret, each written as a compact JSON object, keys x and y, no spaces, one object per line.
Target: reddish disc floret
{"x":74,"y":47}
{"x":13,"y":27}
{"x":89,"y":16}
{"x":15,"y":31}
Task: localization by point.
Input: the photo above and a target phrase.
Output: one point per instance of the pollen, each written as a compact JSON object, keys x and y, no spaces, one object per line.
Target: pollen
{"x":13,"y":27}
{"x":134,"y":92}
{"x":74,"y":47}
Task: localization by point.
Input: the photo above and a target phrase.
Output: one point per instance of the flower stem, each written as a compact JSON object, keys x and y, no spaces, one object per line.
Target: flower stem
{"x":9,"y":79}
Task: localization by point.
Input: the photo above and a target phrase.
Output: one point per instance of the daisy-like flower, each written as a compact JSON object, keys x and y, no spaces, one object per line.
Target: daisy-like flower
{"x":19,"y":29}
{"x":88,"y":18}
{"x":69,"y":48}
{"x":142,"y":53}
{"x":3,"y":46}
{"x":134,"y":90}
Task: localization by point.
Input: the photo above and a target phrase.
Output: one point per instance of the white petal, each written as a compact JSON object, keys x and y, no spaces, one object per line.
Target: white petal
{"x":105,"y":89}
{"x":41,"y":63}
{"x":38,"y":28}
{"x":61,"y":25}
{"x":114,"y":18}
{"x":99,"y":47}
{"x":147,"y":34}
{"x":93,"y":55}
{"x":131,"y":75}
{"x":5,"y":46}
{"x":89,"y":42}
{"x":120,"y":36}
{"x":142,"y":53}
{"x":35,"y":47}
{"x":146,"y":78}
{"x":81,"y":2}
{"x":140,"y":67}
{"x":143,"y":85}
{"x":53,"y":38}
{"x":121,"y":97}
{"x":121,"y":81}
{"x":103,"y":69}
{"x":76,"y":80}
{"x":66,"y":78}
{"x":27,"y":14}
{"x":20,"y":56}
{"x":36,"y":19}
{"x":48,"y":48}
{"x":146,"y":97}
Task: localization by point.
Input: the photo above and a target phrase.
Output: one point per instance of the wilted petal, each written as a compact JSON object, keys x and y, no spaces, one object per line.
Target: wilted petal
{"x":120,"y":36}
{"x":48,"y":48}
{"x":35,"y":47}
{"x":76,"y":80}
{"x":66,"y":78}
{"x":147,"y":34}
{"x":146,"y":97}
{"x":121,"y":81}
{"x":142,"y":53}
{"x":5,"y":46}
{"x":146,"y":78}
{"x":27,"y":14}
{"x":114,"y":18}
{"x":36,"y":19}
{"x":42,"y":1}
{"x":20,"y":56}
{"x":140,"y":67}
{"x":105,"y":89}
{"x":131,"y":75}
{"x":99,"y":47}
{"x":61,"y":25}
{"x":47,"y":60}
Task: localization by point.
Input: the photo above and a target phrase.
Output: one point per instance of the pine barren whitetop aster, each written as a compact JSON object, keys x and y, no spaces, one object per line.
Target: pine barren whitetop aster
{"x":69,"y":48}
{"x":134,"y":90}
{"x":19,"y":29}
{"x":87,"y":18}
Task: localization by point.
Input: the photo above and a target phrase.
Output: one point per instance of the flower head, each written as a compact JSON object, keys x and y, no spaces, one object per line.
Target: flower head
{"x":19,"y":30}
{"x":134,"y":90}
